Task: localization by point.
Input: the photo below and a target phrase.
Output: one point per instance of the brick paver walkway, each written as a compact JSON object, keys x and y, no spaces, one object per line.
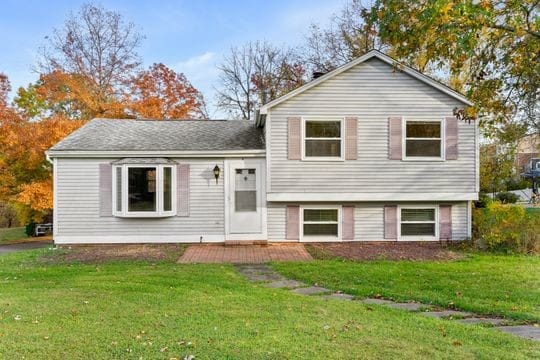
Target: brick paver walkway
{"x":248,"y":254}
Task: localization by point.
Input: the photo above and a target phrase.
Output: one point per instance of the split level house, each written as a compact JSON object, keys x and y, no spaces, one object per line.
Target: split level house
{"x":368,"y":152}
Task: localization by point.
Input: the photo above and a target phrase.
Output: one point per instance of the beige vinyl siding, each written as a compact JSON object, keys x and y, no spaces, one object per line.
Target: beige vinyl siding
{"x":78,"y":204}
{"x":369,"y":220}
{"x":371,"y":91}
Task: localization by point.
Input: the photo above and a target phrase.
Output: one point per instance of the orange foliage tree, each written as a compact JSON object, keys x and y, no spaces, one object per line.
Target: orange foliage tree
{"x":162,"y":93}
{"x":25,"y":179}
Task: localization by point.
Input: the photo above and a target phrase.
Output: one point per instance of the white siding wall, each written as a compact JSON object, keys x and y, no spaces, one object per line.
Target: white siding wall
{"x":368,"y":221}
{"x":78,"y":217}
{"x":372,"y":91}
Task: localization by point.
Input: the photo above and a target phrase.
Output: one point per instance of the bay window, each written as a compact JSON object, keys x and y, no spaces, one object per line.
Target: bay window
{"x":143,"y":190}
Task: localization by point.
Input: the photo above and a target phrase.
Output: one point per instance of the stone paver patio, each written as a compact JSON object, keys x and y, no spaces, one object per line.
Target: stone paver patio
{"x":248,"y":254}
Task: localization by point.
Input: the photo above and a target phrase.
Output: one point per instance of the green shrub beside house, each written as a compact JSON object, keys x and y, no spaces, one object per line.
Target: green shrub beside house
{"x":504,"y":227}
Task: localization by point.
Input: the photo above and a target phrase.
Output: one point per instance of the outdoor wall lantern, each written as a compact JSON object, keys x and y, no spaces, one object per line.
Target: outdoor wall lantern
{"x":216,"y":173}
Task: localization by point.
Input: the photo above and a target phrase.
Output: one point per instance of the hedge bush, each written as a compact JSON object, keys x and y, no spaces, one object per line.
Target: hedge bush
{"x":508,"y":228}
{"x":507,"y":197}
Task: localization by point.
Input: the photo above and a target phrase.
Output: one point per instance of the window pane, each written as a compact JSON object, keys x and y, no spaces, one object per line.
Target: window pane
{"x":245,"y":197}
{"x":424,"y":129}
{"x":167,"y":189}
{"x":323,"y":129}
{"x":245,"y":201}
{"x":423,"y":148}
{"x":323,"y":148}
{"x":142,"y":189}
{"x":417,"y":214}
{"x":418,"y":229}
{"x":321,"y":229}
{"x":320,"y":215}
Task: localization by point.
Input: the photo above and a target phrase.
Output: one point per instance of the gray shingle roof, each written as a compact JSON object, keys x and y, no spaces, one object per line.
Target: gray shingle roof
{"x":170,"y":135}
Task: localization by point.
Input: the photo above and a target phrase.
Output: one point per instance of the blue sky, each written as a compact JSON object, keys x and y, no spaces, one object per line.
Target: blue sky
{"x":188,"y":36}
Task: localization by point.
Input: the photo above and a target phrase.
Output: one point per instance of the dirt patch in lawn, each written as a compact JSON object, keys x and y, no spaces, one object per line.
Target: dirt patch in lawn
{"x":102,"y":253}
{"x":383,"y":251}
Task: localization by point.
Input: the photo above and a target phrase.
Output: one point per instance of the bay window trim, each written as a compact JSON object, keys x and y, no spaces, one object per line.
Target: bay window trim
{"x":341,"y":138}
{"x":404,"y":139}
{"x":419,"y":237}
{"x":159,"y":189}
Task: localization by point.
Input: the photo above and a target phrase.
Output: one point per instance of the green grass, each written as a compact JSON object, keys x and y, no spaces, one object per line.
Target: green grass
{"x":10,"y":234}
{"x":167,"y":310}
{"x":502,"y":285}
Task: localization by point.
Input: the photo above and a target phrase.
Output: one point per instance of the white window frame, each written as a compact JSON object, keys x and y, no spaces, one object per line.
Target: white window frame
{"x":341,"y":138}
{"x":435,"y":208}
{"x":422,"y":158}
{"x":159,"y":192}
{"x":320,"y":238}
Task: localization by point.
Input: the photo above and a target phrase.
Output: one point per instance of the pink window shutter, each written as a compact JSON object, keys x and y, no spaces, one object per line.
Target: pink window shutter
{"x":445,"y":222}
{"x":182,"y":190}
{"x":351,"y":138}
{"x":451,"y":138}
{"x":395,"y":137}
{"x":390,"y":222}
{"x":293,"y":222}
{"x":105,"y":190}
{"x":294,"y":138}
{"x":347,"y":232}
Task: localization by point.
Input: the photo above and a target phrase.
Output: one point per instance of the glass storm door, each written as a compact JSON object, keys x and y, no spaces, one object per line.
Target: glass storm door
{"x":244,"y":197}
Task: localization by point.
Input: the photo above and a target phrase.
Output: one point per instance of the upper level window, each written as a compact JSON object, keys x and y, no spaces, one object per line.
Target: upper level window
{"x":423,"y":139}
{"x":323,"y":139}
{"x":144,"y":190}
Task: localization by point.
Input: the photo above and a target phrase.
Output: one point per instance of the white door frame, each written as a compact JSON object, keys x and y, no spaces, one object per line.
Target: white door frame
{"x":227,"y":164}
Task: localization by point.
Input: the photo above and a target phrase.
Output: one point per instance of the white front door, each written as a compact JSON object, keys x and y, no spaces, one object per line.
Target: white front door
{"x":245,"y":198}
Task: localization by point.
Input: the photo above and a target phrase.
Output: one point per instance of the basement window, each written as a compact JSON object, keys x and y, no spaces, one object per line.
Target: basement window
{"x":321,"y":222}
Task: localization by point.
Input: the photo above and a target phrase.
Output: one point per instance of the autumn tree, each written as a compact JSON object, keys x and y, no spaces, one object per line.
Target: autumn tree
{"x":347,"y":37}
{"x":488,"y":49}
{"x":87,"y":63}
{"x":254,"y":74}
{"x":25,"y":174}
{"x":162,"y":93}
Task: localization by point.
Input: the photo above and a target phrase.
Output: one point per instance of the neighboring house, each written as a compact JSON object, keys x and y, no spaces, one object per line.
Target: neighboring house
{"x":528,"y":148}
{"x":368,"y":152}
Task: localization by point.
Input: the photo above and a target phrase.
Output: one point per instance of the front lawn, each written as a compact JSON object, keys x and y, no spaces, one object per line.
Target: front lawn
{"x":10,"y":234}
{"x":136,"y":309}
{"x":498,"y":285}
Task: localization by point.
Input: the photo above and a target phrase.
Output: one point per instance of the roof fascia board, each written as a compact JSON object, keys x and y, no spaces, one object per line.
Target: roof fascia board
{"x":142,"y":154}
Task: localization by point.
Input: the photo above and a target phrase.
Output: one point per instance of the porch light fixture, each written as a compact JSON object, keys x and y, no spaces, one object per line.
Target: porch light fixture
{"x":216,"y":173}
